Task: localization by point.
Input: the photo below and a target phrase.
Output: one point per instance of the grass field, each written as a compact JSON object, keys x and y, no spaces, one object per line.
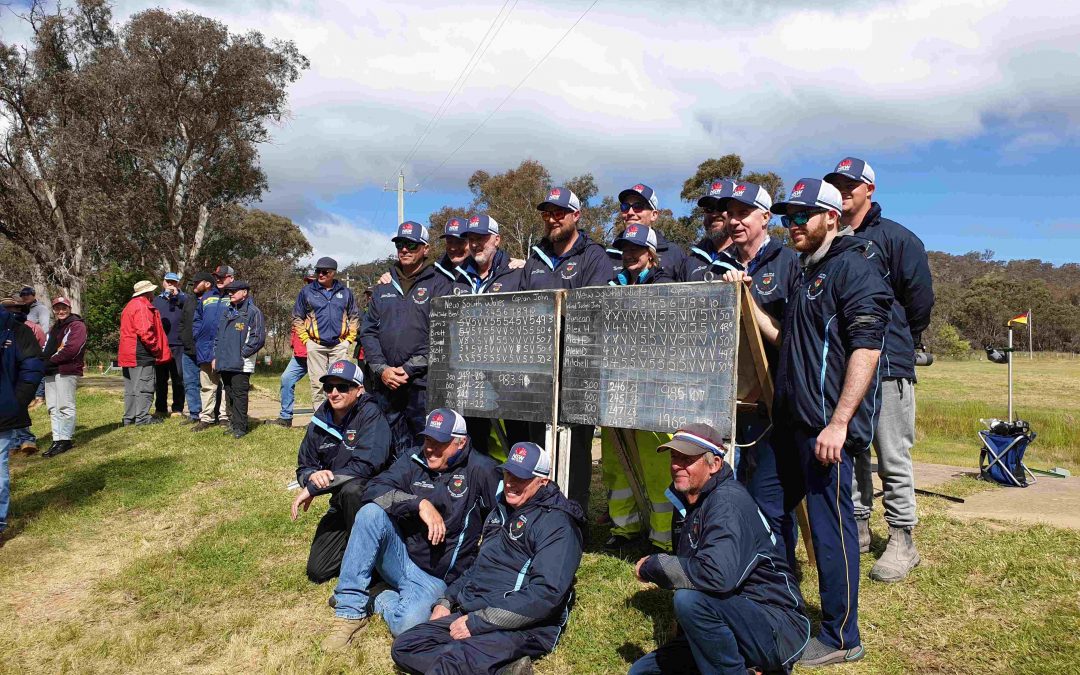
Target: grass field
{"x":158,"y":550}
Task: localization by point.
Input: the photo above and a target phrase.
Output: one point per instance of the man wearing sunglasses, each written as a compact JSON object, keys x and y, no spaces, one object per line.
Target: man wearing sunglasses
{"x":394,"y":334}
{"x":908,"y":273}
{"x":327,"y":321}
{"x":346,"y":443}
{"x":709,"y":258}
{"x":826,"y":396}
{"x":639,"y":205}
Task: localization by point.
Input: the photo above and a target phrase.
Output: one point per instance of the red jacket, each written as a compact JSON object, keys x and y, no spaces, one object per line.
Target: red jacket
{"x":299,"y":347}
{"x":141,"y":322}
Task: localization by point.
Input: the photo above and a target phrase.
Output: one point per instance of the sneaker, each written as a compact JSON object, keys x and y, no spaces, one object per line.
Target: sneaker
{"x":223,"y":422}
{"x":343,"y":634}
{"x":202,"y":426}
{"x":189,"y":420}
{"x":239,"y":434}
{"x":522,"y":666}
{"x":282,"y":422}
{"x":899,"y":558}
{"x":152,"y":420}
{"x":818,"y":654}
{"x":57,"y":448}
{"x":176,"y":413}
{"x":864,"y":535}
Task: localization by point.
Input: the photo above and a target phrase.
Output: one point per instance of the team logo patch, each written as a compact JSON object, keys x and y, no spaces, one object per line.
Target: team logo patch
{"x":239,"y":325}
{"x":639,"y":187}
{"x":695,"y":531}
{"x":631,"y":231}
{"x":718,"y":186}
{"x":739,"y":190}
{"x":496,"y":287}
{"x":436,"y":420}
{"x":555,"y":193}
{"x":338,"y":369}
{"x":519,"y":455}
{"x":798,"y":190}
{"x":421,"y":296}
{"x":844,"y":165}
{"x":517,"y":528}
{"x":350,"y":436}
{"x":339,"y":296}
{"x":406,"y":229}
{"x":457,"y":486}
{"x":570,"y":270}
{"x":817,"y":287}
{"x":475,"y":220}
{"x":766,"y":285}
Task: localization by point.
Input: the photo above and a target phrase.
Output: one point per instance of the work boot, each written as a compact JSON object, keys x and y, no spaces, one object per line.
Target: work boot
{"x":189,"y":420}
{"x":817,"y":654}
{"x":899,"y":559}
{"x":282,"y":422}
{"x":522,"y":666}
{"x":202,"y":426}
{"x":36,"y":403}
{"x":28,"y":448}
{"x":864,"y":535}
{"x":344,"y":634}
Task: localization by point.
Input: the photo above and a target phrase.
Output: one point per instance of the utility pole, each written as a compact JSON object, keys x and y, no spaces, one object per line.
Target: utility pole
{"x":401,"y":190}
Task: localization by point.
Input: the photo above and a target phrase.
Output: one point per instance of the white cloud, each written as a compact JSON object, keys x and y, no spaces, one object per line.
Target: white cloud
{"x":346,"y":242}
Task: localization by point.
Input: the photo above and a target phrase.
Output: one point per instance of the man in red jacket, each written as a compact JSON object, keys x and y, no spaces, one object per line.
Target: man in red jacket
{"x":63,"y":357}
{"x":142,"y":346}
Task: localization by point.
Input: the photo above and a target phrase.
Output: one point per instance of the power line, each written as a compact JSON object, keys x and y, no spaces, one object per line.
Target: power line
{"x":512,"y":92}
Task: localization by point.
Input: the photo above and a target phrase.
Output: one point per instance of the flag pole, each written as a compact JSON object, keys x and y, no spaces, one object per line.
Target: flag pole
{"x":1009,"y":353}
{"x":1030,"y":349}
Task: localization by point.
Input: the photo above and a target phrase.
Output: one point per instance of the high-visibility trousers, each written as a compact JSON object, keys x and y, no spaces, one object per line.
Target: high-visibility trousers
{"x":656,"y":470}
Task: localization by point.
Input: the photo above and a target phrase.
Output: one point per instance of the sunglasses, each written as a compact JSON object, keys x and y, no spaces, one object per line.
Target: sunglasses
{"x":711,"y":210}
{"x":340,"y":387}
{"x":324,"y":272}
{"x":801,"y":218}
{"x":408,"y":245}
{"x":626,"y":207}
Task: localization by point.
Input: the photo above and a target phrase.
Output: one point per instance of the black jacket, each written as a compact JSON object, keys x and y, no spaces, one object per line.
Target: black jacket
{"x":704,"y":259}
{"x":21,"y":370}
{"x":585,"y":264}
{"x":187,"y":323}
{"x":359,"y":447}
{"x":500,"y":277}
{"x":464,"y":493}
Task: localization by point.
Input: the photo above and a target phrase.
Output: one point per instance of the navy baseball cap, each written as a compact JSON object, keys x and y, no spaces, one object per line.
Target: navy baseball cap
{"x":345,"y":370}
{"x":852,"y":167}
{"x":643,"y":191}
{"x":696,"y":439}
{"x":642,"y":235}
{"x":719,"y":191}
{"x":326,"y":263}
{"x":412,"y":231}
{"x":482,"y":225}
{"x":562,"y":197}
{"x":172,"y":276}
{"x":810,"y":193}
{"x":528,"y":460}
{"x":27,"y":290}
{"x":444,"y":424}
{"x":455,"y":227}
{"x":751,"y":194}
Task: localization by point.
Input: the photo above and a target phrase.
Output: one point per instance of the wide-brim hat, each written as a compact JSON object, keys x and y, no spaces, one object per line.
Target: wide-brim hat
{"x":143,"y":287}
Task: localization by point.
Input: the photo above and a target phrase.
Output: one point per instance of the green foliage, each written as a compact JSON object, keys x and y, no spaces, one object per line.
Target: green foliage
{"x":946,"y":341}
{"x":103,"y":302}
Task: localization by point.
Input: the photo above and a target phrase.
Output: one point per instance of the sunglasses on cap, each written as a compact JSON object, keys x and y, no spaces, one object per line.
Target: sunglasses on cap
{"x":408,"y":245}
{"x":801,"y":218}
{"x":340,"y":387}
{"x":626,"y":207}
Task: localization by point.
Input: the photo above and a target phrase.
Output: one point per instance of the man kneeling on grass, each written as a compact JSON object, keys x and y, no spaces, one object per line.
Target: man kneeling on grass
{"x":511,"y":605}
{"x":419,"y":530}
{"x":736,"y":601}
{"x":346,"y":443}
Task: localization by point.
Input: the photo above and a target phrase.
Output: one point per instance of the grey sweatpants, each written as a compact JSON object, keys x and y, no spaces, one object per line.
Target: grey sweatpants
{"x":893,"y":438}
{"x":60,"y":397}
{"x":138,"y":393}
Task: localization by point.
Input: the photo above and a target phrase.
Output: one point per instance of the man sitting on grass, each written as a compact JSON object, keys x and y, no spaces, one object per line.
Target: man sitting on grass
{"x":346,"y":443}
{"x":420,"y":530}
{"x":511,"y":605}
{"x":736,"y":601}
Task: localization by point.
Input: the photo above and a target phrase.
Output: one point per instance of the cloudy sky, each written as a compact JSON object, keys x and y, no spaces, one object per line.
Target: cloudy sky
{"x":966,"y":110}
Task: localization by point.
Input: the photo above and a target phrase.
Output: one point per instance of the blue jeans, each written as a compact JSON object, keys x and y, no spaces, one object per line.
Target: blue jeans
{"x":293,"y":373}
{"x":727,"y":635}
{"x":7,"y":442}
{"x":22,"y":436}
{"x":376,"y":543}
{"x":191,"y":386}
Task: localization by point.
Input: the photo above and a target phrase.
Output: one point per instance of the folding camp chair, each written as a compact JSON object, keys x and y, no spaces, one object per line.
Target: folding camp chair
{"x":1002,"y":458}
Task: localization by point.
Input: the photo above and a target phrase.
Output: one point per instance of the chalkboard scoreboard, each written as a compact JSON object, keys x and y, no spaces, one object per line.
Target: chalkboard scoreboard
{"x":495,"y":355}
{"x":650,"y":357}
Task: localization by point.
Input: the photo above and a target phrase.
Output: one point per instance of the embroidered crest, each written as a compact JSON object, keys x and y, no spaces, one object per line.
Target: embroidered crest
{"x":695,"y":531}
{"x":457,"y":486}
{"x":716,"y":187}
{"x":817,"y":287}
{"x":436,"y":420}
{"x":739,"y":190}
{"x":844,"y":166}
{"x":766,"y":285}
{"x":631,"y":231}
{"x":555,"y":193}
{"x":496,"y":287}
{"x":339,"y":296}
{"x":239,"y":325}
{"x":517,"y":528}
{"x":350,"y":436}
{"x":798,"y":189}
{"x":421,"y":296}
{"x":639,"y":187}
{"x":570,"y":271}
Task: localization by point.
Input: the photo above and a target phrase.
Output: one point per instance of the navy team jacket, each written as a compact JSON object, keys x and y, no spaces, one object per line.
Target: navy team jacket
{"x":500,"y":277}
{"x":672,"y":257}
{"x":705,"y":258}
{"x":839,"y":304}
{"x":464,"y":493}
{"x":359,"y":447}
{"x":585,"y":264}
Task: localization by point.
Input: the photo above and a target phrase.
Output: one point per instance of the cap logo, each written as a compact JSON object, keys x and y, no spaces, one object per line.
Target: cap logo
{"x":639,"y":187}
{"x":555,"y":193}
{"x":406,"y":229}
{"x":844,"y":165}
{"x":798,"y":190}
{"x":739,"y":190}
{"x":337,"y":369}
{"x":631,"y":231}
{"x":519,"y":455}
{"x":436,"y":420}
{"x":475,"y":220}
{"x":716,"y":187}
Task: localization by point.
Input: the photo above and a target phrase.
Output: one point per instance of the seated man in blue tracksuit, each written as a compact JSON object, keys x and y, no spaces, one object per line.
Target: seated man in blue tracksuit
{"x":511,"y":605}
{"x":346,"y":443}
{"x":709,"y":258}
{"x":639,"y":205}
{"x":737,"y":603}
{"x":827,"y":397}
{"x":394,"y":334}
{"x":419,"y":529}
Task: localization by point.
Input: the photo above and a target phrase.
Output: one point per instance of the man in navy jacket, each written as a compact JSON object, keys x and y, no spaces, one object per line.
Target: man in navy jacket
{"x":737,"y":603}
{"x":419,"y":528}
{"x":241,"y":334}
{"x":394,"y":334}
{"x":511,"y":605}
{"x":827,"y":397}
{"x":908,"y":273}
{"x":346,"y":443}
{"x":21,"y":371}
{"x":709,"y":258}
{"x":204,"y":329}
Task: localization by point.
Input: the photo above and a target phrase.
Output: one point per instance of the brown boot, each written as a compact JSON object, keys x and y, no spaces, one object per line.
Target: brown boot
{"x":345,"y":633}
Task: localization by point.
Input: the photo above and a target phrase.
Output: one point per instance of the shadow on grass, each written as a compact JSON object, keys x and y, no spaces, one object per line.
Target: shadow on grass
{"x":654,"y":603}
{"x":83,"y":434}
{"x":124,"y":478}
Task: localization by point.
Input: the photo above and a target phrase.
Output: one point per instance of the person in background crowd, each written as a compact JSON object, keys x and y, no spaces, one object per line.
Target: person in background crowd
{"x":737,"y":603}
{"x":566,"y":258}
{"x":21,"y":370}
{"x":907,"y":271}
{"x":170,"y":304}
{"x":63,"y":357}
{"x":395,"y":335}
{"x":419,"y":529}
{"x":205,"y":326}
{"x":143,"y":345}
{"x":38,"y":314}
{"x":709,"y":258}
{"x":204,"y":281}
{"x":511,"y":605}
{"x":346,"y":443}
{"x":24,"y":440}
{"x":639,"y":205}
{"x":826,"y":396}
{"x":327,"y":320}
{"x":293,"y":372}
{"x":641,"y":265}
{"x":241,"y":334}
